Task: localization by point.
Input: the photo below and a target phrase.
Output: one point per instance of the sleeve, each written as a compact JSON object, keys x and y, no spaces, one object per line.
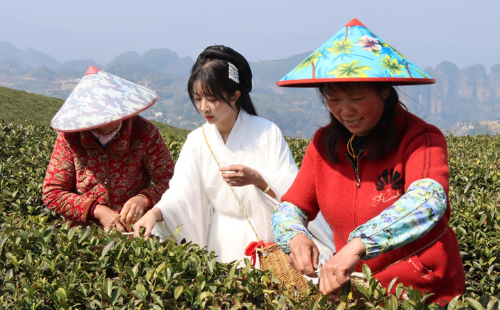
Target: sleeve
{"x":185,"y":202}
{"x":427,"y":158}
{"x":425,"y":200}
{"x":60,"y":182}
{"x":282,"y":169}
{"x":287,"y":221}
{"x":302,"y":193}
{"x":411,"y":217}
{"x":159,"y":166}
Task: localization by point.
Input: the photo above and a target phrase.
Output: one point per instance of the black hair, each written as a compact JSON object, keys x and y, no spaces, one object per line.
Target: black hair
{"x":381,"y":140}
{"x":211,"y":71}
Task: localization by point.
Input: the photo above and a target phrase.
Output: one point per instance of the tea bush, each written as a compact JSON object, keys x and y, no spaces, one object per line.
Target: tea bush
{"x":45,"y":264}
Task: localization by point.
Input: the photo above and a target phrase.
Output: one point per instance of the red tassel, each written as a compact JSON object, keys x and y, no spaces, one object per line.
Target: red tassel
{"x":251,"y":249}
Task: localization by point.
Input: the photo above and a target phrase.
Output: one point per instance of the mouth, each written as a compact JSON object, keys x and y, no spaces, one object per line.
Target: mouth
{"x":353,"y":122}
{"x":208,"y":116}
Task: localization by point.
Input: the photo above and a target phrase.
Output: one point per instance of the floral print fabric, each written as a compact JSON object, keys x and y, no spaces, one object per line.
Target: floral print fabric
{"x":355,"y":52}
{"x":81,"y":173}
{"x":408,"y":219}
{"x":287,"y":221}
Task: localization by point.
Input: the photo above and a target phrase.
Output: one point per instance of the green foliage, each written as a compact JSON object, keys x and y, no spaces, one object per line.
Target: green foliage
{"x":475,"y":197}
{"x":24,"y":155}
{"x":21,"y":106}
{"x":170,"y":130}
{"x":45,"y":264}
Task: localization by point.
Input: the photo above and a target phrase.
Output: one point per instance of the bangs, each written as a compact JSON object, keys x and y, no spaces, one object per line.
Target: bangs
{"x":348,"y":88}
{"x":204,"y":82}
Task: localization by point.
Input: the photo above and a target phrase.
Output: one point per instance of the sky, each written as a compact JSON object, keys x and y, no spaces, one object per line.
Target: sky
{"x":427,"y":32}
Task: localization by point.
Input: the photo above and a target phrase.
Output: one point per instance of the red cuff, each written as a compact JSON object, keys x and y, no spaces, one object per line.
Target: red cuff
{"x":92,"y":209}
{"x":150,"y":201}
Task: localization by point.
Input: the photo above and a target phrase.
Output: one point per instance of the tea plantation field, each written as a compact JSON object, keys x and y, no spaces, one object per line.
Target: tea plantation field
{"x":45,"y":264}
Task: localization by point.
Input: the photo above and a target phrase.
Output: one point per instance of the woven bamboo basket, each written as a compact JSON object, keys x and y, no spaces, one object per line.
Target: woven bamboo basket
{"x":286,"y":274}
{"x":290,"y":278}
{"x":357,"y":278}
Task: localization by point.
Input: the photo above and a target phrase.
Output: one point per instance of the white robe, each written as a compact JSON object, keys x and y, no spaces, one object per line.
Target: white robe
{"x":200,"y":201}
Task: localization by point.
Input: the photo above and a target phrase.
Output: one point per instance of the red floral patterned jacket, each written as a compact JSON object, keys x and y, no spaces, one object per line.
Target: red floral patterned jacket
{"x":81,"y":173}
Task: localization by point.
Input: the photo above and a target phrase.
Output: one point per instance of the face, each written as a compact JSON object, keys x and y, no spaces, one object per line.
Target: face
{"x":216,"y":111}
{"x":108,"y":128}
{"x":360,"y":110}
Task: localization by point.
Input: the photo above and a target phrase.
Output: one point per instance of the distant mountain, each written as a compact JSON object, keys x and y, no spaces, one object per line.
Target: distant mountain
{"x":27,"y":58}
{"x":75,"y":68}
{"x":160,"y":60}
{"x":469,"y":94}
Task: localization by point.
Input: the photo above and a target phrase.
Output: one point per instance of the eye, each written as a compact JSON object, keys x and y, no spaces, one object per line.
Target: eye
{"x":333,"y":100}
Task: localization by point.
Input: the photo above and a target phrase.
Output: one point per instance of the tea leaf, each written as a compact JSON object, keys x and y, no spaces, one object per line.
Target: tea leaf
{"x":178,"y":291}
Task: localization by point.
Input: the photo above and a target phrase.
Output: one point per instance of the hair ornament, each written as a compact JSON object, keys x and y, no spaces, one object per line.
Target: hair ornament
{"x":233,"y":73}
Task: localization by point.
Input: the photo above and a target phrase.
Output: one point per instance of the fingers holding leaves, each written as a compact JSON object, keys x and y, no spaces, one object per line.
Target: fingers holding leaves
{"x":304,"y":255}
{"x":133,"y":209}
{"x":110,"y":219}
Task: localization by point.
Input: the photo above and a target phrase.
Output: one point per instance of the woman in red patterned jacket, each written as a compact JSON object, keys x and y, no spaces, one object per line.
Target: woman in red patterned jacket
{"x":106,"y":156}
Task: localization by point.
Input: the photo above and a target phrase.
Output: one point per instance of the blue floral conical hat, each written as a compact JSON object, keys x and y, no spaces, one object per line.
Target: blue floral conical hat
{"x":355,"y":54}
{"x":101,"y":98}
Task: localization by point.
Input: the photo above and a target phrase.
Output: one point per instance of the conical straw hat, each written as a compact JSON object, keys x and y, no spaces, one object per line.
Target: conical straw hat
{"x":101,"y":98}
{"x":355,"y":54}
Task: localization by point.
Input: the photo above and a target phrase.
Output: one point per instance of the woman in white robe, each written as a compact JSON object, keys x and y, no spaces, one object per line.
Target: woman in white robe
{"x":254,"y":157}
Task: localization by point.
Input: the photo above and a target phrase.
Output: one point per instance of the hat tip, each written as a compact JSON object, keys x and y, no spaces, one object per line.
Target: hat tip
{"x":355,"y":22}
{"x":92,"y":70}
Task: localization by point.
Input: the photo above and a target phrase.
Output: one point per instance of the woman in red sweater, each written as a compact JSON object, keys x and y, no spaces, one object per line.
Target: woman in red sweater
{"x":378,"y":173}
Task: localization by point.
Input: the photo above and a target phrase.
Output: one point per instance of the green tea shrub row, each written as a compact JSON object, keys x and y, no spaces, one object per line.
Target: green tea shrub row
{"x":475,"y":198}
{"x":48,"y":265}
{"x":44,"y":264}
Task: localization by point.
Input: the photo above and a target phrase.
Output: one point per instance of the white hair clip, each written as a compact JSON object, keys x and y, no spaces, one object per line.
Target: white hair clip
{"x":233,"y":73}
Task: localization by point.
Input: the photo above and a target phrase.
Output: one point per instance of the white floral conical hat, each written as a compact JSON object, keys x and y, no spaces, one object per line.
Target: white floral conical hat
{"x":101,"y":98}
{"x":355,"y":54}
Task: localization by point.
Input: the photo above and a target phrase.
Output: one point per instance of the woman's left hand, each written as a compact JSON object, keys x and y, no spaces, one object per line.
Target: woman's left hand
{"x":337,"y":271}
{"x":242,"y":176}
{"x":133,"y":209}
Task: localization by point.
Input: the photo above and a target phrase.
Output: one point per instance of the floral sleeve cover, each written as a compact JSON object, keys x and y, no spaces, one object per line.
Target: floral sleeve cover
{"x":287,"y":221}
{"x":411,"y":217}
{"x":408,"y":219}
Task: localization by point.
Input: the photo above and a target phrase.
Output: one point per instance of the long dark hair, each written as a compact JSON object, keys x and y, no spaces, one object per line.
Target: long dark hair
{"x":381,"y":140}
{"x":211,"y":71}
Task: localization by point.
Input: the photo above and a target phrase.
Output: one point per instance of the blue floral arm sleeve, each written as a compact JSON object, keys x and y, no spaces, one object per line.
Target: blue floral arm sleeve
{"x":408,"y":219}
{"x":287,"y":221}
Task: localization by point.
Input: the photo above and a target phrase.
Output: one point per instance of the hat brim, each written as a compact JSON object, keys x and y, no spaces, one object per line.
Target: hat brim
{"x":318,"y":82}
{"x":111,"y":121}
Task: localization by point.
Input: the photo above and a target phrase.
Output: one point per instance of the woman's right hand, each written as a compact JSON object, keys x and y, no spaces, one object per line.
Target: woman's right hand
{"x":109,"y":219}
{"x":148,"y":221}
{"x":304,"y":255}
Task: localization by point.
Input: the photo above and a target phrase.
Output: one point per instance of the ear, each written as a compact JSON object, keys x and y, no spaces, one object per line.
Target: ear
{"x":236,"y":96}
{"x":386,"y":91}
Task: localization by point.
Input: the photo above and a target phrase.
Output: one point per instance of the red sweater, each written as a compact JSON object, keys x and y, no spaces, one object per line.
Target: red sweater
{"x":81,"y":172}
{"x":431,"y":263}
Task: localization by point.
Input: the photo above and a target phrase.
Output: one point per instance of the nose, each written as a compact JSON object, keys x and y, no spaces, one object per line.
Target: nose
{"x":347,"y":109}
{"x":203,"y":105}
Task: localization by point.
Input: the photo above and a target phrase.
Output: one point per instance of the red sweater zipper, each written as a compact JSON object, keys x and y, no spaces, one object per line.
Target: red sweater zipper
{"x":355,"y":167}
